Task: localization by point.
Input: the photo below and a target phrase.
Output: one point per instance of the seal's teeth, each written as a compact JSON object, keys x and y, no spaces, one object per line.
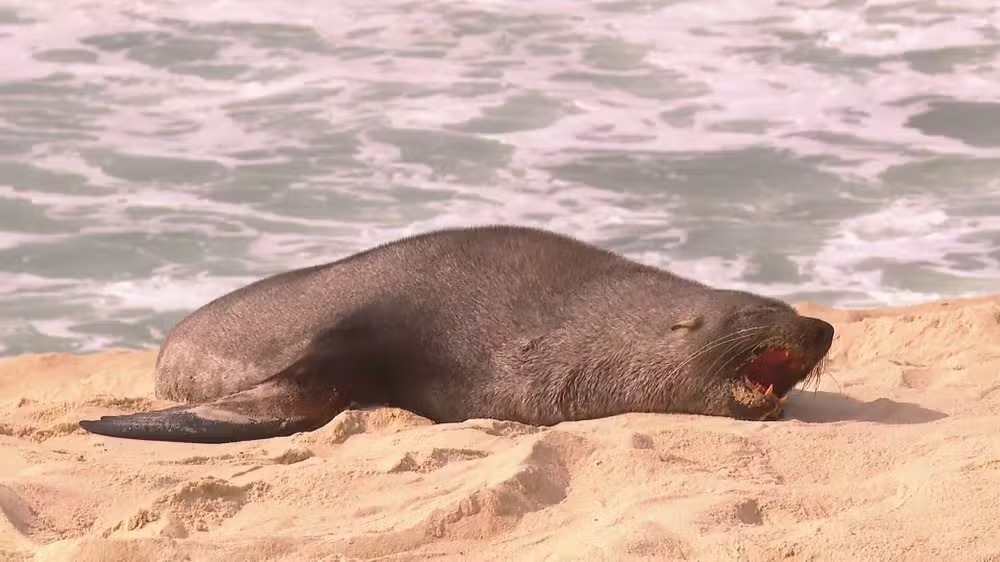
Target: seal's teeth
{"x":770,"y":392}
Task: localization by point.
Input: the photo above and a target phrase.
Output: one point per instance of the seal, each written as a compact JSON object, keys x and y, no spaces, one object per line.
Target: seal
{"x":503,"y":322}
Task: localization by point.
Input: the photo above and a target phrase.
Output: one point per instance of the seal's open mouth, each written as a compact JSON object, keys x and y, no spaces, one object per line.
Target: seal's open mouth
{"x":773,"y":371}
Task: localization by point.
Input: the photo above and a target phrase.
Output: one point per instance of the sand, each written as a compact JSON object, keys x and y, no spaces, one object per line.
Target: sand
{"x":896,"y":456}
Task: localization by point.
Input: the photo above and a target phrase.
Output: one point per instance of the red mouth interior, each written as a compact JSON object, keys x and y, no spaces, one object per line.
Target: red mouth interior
{"x":776,"y":366}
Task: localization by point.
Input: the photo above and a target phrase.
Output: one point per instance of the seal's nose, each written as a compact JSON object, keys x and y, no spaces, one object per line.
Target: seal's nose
{"x":822,"y":333}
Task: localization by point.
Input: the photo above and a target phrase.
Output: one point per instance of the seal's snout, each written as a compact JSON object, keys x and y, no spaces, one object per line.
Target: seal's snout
{"x":775,"y":366}
{"x":821,"y":333}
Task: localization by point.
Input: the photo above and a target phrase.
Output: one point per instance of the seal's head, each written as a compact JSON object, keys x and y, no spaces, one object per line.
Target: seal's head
{"x":748,"y":352}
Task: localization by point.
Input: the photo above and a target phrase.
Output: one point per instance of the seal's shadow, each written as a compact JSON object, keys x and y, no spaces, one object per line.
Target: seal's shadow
{"x":825,"y":407}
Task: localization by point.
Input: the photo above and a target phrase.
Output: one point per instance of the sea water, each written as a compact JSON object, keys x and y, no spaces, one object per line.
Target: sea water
{"x":155,"y":154}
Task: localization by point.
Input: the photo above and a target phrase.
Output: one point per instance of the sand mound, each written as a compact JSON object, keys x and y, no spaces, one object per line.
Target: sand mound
{"x":895,"y":456}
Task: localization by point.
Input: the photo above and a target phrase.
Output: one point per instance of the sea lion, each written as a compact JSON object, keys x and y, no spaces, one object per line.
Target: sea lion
{"x":500,"y":322}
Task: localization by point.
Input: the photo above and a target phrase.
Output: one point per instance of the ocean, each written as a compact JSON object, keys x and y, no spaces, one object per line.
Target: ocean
{"x":155,"y":154}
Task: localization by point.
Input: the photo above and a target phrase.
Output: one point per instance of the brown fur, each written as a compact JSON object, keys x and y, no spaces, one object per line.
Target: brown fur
{"x":500,"y":322}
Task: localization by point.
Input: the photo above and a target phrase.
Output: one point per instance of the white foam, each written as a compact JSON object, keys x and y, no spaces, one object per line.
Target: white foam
{"x":22,"y":284}
{"x":162,"y":293}
{"x":910,"y":230}
{"x":786,"y":66}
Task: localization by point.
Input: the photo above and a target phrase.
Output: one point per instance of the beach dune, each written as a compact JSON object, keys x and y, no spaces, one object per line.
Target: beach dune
{"x":895,"y":455}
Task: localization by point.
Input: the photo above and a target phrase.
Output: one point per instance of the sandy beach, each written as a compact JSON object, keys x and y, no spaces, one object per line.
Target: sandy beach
{"x":895,"y":456}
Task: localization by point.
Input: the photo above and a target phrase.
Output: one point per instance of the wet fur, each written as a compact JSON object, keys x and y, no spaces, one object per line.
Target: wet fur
{"x":490,"y":322}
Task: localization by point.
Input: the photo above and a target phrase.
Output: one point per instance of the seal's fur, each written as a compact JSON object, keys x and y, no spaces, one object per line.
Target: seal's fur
{"x":497,"y":322}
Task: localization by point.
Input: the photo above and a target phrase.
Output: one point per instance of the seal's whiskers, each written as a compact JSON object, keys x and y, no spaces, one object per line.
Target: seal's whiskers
{"x":713,"y":371}
{"x":731,"y":337}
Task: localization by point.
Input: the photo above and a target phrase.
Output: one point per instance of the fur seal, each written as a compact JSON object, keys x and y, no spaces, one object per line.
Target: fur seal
{"x":503,"y":322}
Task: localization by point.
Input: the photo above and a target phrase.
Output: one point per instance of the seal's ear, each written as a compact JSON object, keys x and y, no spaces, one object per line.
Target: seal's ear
{"x":687,"y":324}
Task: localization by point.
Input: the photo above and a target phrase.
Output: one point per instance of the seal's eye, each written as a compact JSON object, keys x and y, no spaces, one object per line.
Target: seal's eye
{"x":687,"y":324}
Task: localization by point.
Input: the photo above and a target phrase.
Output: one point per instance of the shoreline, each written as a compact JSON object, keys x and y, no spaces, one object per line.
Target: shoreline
{"x":893,"y":456}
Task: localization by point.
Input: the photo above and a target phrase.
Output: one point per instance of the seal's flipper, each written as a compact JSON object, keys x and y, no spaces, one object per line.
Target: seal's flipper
{"x":274,"y":408}
{"x":328,"y":377}
{"x":186,"y":424}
